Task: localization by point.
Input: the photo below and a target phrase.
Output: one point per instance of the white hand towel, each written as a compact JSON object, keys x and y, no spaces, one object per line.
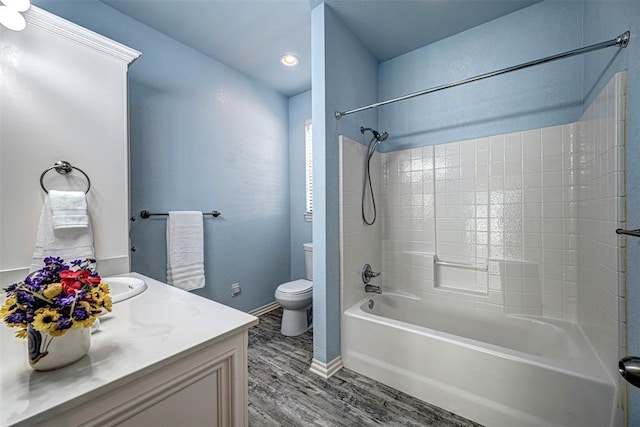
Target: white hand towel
{"x":68,"y":209}
{"x":69,"y":244}
{"x":185,"y":250}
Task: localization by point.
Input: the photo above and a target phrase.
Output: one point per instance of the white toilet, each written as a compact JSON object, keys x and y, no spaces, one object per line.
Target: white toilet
{"x":295,"y":298}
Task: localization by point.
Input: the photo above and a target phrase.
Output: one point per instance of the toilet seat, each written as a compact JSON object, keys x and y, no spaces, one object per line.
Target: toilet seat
{"x":297,"y":290}
{"x":300,"y":286}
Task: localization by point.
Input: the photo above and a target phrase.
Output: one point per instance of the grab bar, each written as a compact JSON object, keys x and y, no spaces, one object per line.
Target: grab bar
{"x":478,"y":267}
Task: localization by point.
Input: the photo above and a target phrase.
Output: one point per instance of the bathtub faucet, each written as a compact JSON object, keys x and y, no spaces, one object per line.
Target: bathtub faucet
{"x":372,"y":288}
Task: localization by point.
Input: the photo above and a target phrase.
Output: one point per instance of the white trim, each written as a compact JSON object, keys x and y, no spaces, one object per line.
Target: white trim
{"x":264,"y":309}
{"x":326,"y":370}
{"x":50,"y":22}
{"x":308,"y":165}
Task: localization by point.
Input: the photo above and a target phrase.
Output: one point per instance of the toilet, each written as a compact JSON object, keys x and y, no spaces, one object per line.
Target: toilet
{"x":295,"y":298}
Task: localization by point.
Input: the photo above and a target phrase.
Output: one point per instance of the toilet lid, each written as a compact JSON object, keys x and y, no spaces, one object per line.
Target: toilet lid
{"x":296,"y":287}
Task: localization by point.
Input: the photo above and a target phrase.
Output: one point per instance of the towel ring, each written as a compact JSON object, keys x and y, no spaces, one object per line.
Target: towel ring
{"x":63,"y":168}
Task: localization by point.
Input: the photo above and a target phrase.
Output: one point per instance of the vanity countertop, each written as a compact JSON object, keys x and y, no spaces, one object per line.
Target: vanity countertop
{"x":142,"y":334}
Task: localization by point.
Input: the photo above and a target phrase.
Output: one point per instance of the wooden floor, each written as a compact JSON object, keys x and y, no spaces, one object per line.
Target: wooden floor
{"x":282,"y":391}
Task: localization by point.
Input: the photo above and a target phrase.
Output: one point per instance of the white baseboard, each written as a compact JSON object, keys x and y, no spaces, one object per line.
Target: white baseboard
{"x":326,"y":370}
{"x":264,"y":309}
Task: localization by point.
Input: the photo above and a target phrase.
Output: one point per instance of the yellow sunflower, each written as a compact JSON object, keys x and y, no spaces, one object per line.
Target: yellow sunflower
{"x":44,"y":319}
{"x":9,"y":307}
{"x":21,"y":333}
{"x":107,"y":303}
{"x":84,"y":323}
{"x":57,"y":332}
{"x":53,"y":290}
{"x":104,"y":287}
{"x":97,"y":296}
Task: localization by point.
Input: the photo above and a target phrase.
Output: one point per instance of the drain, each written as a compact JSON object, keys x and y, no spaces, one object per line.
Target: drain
{"x":370,"y":304}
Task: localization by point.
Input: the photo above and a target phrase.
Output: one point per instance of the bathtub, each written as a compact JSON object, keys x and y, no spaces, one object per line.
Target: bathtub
{"x":495,"y":369}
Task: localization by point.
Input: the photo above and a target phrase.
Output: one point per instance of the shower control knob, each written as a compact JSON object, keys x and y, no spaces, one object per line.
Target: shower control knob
{"x":629,"y":368}
{"x":367,"y":273}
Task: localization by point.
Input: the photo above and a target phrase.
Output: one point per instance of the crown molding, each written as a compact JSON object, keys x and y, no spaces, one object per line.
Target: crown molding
{"x":53,"y":23}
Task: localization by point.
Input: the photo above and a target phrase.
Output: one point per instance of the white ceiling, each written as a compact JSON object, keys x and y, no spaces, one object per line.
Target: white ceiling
{"x":251,"y":35}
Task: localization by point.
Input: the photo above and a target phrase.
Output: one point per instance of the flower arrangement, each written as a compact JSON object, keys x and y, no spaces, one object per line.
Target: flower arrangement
{"x":56,"y":298}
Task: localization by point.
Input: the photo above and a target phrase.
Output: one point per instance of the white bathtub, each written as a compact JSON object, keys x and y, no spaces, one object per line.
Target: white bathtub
{"x":495,"y":369}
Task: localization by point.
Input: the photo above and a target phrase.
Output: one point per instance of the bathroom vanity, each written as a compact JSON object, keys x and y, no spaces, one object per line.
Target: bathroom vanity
{"x":164,"y":358}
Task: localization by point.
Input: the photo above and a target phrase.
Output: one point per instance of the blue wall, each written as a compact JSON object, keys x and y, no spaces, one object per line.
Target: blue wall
{"x":203,"y":137}
{"x":546,"y":95}
{"x":301,"y":229}
{"x":344,"y":73}
{"x":604,"y":20}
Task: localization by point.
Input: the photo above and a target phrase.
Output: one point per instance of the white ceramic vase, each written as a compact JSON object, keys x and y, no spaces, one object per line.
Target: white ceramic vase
{"x":47,"y":352}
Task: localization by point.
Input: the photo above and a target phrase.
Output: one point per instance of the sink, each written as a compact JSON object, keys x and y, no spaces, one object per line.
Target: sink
{"x":122,"y":288}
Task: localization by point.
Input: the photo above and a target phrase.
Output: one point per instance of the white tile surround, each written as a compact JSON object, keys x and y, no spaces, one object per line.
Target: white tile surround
{"x":537,"y":208}
{"x":359,"y":243}
{"x":506,"y":203}
{"x":601,"y":266}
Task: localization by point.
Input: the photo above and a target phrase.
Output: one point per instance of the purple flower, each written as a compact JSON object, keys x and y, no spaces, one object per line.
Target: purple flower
{"x":66,"y":301}
{"x":80,"y":313}
{"x":25,"y":298}
{"x":63,"y":323}
{"x":16,"y":317}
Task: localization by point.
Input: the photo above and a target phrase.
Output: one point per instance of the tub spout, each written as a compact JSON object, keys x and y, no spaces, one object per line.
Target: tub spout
{"x":373,"y":288}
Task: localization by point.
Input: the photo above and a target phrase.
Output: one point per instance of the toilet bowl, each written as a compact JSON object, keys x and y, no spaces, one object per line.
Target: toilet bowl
{"x":296,"y":300}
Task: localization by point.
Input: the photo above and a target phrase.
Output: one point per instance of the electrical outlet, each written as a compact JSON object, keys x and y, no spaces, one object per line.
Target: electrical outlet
{"x":235,"y":289}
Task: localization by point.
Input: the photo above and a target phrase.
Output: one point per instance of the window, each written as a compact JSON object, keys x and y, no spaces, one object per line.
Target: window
{"x":308,"y":161}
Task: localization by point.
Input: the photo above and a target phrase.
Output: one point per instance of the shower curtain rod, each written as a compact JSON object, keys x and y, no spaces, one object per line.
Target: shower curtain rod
{"x":621,"y":41}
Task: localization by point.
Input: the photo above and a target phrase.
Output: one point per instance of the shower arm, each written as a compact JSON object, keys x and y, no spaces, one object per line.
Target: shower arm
{"x":621,"y":41}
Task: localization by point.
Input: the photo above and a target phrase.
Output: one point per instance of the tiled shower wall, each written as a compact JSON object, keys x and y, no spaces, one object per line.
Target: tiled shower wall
{"x":508,"y":208}
{"x":359,"y":243}
{"x":505,"y":204}
{"x":601,"y":209}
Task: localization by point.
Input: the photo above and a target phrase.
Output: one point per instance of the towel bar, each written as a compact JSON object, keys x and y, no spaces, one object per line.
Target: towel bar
{"x":146,"y":214}
{"x":64,"y":167}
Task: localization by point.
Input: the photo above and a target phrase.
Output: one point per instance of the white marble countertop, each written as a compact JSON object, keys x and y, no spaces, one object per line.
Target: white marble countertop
{"x":142,"y":334}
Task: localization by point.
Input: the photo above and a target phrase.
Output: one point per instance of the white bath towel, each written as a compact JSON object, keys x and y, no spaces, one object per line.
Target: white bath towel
{"x":67,"y":243}
{"x":185,"y":250}
{"x":68,"y":209}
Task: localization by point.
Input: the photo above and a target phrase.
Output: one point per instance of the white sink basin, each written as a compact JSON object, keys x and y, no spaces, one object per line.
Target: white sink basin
{"x":122,"y":288}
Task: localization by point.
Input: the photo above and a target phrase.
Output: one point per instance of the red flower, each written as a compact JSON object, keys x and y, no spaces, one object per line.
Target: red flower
{"x":69,"y":274}
{"x":70,"y":286}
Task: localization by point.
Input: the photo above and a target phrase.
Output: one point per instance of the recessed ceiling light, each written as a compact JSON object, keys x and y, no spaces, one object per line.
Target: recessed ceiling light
{"x":289,"y":60}
{"x":12,"y":19}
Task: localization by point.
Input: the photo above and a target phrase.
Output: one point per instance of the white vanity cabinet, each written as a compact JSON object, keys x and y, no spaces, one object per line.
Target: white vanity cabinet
{"x":164,"y":358}
{"x":206,"y":388}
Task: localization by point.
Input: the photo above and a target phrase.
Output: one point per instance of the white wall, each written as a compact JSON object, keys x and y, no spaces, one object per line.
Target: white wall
{"x":63,"y":97}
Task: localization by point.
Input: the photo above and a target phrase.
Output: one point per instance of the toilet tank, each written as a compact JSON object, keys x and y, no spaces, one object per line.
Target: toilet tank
{"x":308,"y":260}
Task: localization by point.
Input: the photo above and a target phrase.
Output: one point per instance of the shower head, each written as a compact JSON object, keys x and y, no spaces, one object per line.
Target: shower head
{"x":379,"y":137}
